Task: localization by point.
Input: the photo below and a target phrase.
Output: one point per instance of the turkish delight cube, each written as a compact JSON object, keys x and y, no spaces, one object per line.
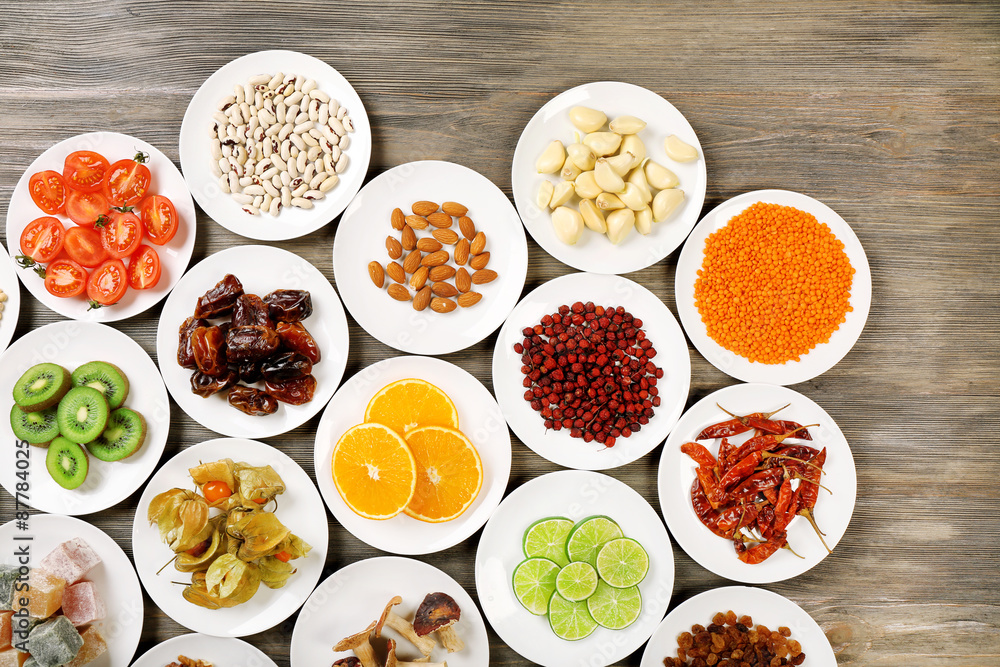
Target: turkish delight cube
{"x":13,"y":658}
{"x":44,"y":594}
{"x":93,"y":647}
{"x":8,"y":575}
{"x":54,"y":642}
{"x":82,"y":604}
{"x":71,"y":560}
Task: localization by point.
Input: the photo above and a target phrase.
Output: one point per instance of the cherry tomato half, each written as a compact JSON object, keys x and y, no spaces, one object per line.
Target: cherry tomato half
{"x":159,"y":218}
{"x":108,"y":283}
{"x":65,"y":278}
{"x":43,"y":238}
{"x":83,"y":245}
{"x":121,"y":234}
{"x":216,"y":490}
{"x":127,"y":181}
{"x":84,"y":171}
{"x":144,"y":268}
{"x":84,"y":208}
{"x":48,"y":191}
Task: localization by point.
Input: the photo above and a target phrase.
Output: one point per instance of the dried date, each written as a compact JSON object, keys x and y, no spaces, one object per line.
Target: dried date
{"x":221,"y":299}
{"x":250,"y":371}
{"x":286,"y":366}
{"x":293,"y":392}
{"x":251,"y":310}
{"x":289,"y":305}
{"x":251,"y":343}
{"x":209,"y":346}
{"x":295,"y":337}
{"x":252,"y":401}
{"x":185,"y":352}
{"x":206,"y":385}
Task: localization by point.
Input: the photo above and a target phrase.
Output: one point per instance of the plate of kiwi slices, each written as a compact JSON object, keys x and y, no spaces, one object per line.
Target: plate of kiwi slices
{"x":89,"y":417}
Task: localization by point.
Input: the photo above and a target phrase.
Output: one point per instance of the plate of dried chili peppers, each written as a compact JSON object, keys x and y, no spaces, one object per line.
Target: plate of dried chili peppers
{"x":757,"y":483}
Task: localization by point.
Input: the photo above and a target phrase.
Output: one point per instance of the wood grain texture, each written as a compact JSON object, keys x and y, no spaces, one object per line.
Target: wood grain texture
{"x":887,"y":112}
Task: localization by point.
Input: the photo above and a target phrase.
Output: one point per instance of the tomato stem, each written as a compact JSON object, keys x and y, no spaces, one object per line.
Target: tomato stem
{"x":26,"y":262}
{"x":141,"y":157}
{"x":123,"y":209}
{"x":94,"y":305}
{"x":102,"y":220}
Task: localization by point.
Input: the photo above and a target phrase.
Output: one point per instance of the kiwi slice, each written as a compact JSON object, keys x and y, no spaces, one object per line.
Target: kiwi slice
{"x":105,"y":378}
{"x":41,"y":386}
{"x":123,"y":436}
{"x":82,"y":414}
{"x":66,"y":461}
{"x":35,"y":428}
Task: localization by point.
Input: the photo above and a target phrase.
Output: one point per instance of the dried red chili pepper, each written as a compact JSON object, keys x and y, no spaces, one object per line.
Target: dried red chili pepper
{"x":733,"y":426}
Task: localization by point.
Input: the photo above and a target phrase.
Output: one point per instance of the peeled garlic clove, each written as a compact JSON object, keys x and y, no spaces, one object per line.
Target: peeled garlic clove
{"x":633,"y":144}
{"x":568,"y":225}
{"x":607,"y":177}
{"x":582,"y":156}
{"x":552,"y":158}
{"x":570,"y":171}
{"x":587,"y":119}
{"x":644,"y":221}
{"x":637,"y":177}
{"x":603,"y":143}
{"x":627,"y":125}
{"x":678,"y":151}
{"x":620,"y":224}
{"x":544,"y":195}
{"x":621,"y":163}
{"x":659,"y":176}
{"x":586,"y":186}
{"x":561,"y":194}
{"x":665,"y":203}
{"x":592,"y":216}
{"x":607,"y":201}
{"x":632,"y":197}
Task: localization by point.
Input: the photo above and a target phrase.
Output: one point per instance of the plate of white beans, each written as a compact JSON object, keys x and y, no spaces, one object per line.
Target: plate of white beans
{"x":274,"y":145}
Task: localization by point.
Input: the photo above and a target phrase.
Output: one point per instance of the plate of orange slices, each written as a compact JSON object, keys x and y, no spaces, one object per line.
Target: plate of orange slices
{"x":412,"y":455}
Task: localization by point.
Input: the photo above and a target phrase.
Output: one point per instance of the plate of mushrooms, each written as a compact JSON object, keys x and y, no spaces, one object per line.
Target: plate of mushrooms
{"x":391,"y":611}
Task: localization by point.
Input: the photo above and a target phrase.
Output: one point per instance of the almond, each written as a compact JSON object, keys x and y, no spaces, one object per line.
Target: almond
{"x":469,"y":299}
{"x":424,"y":208}
{"x":442,"y":272}
{"x":445,"y":236}
{"x":440,"y":220}
{"x":442,"y":305}
{"x":393,"y":247}
{"x":478,"y":244}
{"x":462,"y":252}
{"x":428,"y":245}
{"x":480,"y":261}
{"x":398,"y":219}
{"x":398,"y":292}
{"x":483,"y":276}
{"x":376,"y":273}
{"x":412,"y":261}
{"x":422,"y":298}
{"x":454,"y":208}
{"x":395,"y":271}
{"x":463,"y":281}
{"x":416,"y":221}
{"x":444,"y":289}
{"x":435,"y":258}
{"x":467,"y":226}
{"x":419,"y":278}
{"x":408,"y":238}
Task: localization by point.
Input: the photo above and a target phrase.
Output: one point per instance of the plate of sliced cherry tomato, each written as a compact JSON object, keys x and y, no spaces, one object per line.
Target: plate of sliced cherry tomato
{"x":101,"y":227}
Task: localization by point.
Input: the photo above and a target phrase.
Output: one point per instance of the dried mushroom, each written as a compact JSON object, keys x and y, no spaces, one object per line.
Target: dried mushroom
{"x":438,"y":613}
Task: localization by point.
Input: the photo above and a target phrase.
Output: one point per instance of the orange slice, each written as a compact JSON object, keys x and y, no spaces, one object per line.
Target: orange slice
{"x":374,"y":471}
{"x":449,"y":473}
{"x":406,"y":404}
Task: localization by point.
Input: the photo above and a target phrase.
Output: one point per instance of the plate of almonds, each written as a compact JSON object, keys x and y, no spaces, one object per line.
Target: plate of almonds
{"x":430,"y":257}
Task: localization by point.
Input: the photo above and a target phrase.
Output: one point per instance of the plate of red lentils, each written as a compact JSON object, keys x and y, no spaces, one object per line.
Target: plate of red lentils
{"x":773,"y":286}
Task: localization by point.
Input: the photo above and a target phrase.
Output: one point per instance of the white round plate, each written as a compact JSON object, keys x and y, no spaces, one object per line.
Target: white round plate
{"x":832,"y":513}
{"x":298,"y":509}
{"x":261,"y":269}
{"x":166,"y":180}
{"x":197,"y":133}
{"x":818,"y":360}
{"x":594,"y":252}
{"x":604,"y":290}
{"x":764,"y":607}
{"x":361,"y":239}
{"x":12,"y":307}
{"x":479,"y":418}
{"x":219,"y":651}
{"x":71,"y":344}
{"x":114,"y":578}
{"x":575,"y":494}
{"x":355,"y":595}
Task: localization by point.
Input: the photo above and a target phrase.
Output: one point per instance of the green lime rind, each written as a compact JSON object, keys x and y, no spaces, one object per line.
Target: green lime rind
{"x":570,"y":620}
{"x":534,"y":582}
{"x":588,"y":536}
{"x":577,"y":581}
{"x":622,"y":563}
{"x":546,"y":538}
{"x":615,"y":608}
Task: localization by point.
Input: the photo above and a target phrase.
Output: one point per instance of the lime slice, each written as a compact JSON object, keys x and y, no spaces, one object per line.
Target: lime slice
{"x":570,"y":620}
{"x":577,"y":581}
{"x":622,"y":562}
{"x":546,"y":538}
{"x":615,"y":608}
{"x":534,"y":583}
{"x":588,"y":536}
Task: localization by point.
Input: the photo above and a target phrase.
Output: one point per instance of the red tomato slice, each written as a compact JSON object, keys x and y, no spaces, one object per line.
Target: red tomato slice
{"x":144,"y":268}
{"x":84,"y":208}
{"x":83,"y":245}
{"x":84,"y":171}
{"x":48,"y":191}
{"x":121,"y":234}
{"x":42,"y":239}
{"x":65,"y":278}
{"x":159,"y":218}
{"x":108,"y":283}
{"x":127,"y":181}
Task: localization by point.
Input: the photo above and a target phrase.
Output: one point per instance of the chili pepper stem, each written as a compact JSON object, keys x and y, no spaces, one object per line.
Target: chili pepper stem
{"x":807,"y":513}
{"x":769,"y":455}
{"x":789,"y":547}
{"x":806,"y":479}
{"x":167,"y":563}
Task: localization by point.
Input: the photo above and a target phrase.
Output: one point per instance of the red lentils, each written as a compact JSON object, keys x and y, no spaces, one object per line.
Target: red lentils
{"x":733,"y":642}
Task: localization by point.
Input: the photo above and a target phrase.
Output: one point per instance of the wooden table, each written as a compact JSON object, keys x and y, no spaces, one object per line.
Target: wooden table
{"x":887,"y":112}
